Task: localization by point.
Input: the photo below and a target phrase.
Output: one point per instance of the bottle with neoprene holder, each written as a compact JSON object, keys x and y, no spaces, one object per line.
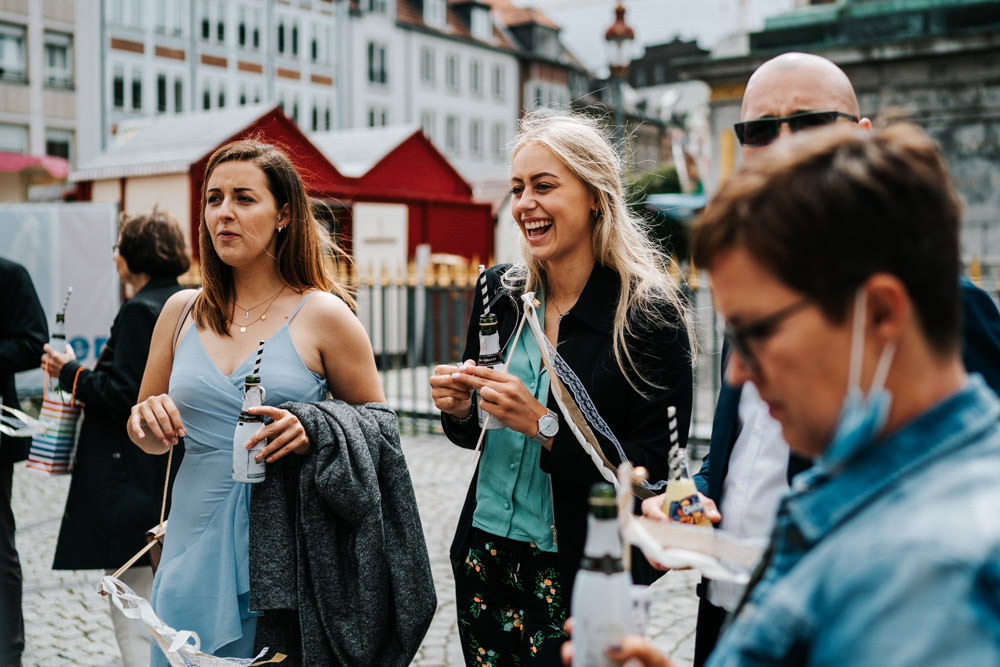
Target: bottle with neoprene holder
{"x":246,"y":468}
{"x":489,"y":356}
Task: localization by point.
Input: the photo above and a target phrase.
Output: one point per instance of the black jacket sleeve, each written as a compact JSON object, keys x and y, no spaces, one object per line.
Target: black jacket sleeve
{"x":23,"y":330}
{"x":637,"y":418}
{"x":113,"y":386}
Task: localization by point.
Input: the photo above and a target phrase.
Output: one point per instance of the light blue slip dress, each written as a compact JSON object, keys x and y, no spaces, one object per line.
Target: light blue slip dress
{"x":203,"y":581}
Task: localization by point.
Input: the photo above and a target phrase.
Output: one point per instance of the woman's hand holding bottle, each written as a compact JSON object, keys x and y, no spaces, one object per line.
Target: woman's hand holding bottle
{"x":502,"y":395}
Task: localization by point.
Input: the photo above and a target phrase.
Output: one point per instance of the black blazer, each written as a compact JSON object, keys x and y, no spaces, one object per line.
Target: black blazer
{"x":23,"y":332}
{"x":639,"y":422}
{"x":116,"y":489}
{"x":980,"y":334}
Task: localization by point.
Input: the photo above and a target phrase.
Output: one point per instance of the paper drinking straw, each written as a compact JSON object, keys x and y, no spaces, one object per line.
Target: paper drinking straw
{"x":482,"y":289}
{"x":672,"y":425}
{"x":673,"y":451}
{"x":69,"y":291}
{"x":256,"y":362}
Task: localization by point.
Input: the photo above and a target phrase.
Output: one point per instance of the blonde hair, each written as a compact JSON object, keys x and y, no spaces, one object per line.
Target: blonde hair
{"x":620,"y":240}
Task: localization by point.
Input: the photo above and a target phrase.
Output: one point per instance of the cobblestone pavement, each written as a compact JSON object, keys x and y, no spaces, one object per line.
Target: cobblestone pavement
{"x":67,"y":622}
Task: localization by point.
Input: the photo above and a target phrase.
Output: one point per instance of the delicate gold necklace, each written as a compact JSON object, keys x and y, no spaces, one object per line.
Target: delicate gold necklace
{"x":246,"y":311}
{"x":263,"y":315}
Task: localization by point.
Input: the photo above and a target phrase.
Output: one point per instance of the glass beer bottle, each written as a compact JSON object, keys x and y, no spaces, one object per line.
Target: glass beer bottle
{"x":246,"y":468}
{"x":602,"y":603}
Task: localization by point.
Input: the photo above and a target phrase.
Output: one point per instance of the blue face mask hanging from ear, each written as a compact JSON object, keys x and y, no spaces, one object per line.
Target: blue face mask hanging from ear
{"x":862,"y":418}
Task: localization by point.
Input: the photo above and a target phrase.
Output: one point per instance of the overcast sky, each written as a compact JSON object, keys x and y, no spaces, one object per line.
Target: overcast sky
{"x":655,"y":21}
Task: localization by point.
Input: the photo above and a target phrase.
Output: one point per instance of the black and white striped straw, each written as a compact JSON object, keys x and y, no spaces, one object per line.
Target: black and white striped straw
{"x":672,"y":425}
{"x":673,"y":450}
{"x":65,"y":305}
{"x":256,"y":362}
{"x":482,"y":289}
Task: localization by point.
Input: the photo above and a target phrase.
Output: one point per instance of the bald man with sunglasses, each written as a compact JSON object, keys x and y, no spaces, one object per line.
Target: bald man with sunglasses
{"x":749,"y":466}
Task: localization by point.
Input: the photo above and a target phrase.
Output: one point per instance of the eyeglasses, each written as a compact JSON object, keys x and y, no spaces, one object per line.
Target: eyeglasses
{"x":741,"y":337}
{"x":762,"y":131}
{"x":114,"y":249}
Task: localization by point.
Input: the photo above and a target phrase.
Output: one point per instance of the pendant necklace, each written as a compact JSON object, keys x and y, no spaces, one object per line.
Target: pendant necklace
{"x":263,"y":315}
{"x":246,"y":310}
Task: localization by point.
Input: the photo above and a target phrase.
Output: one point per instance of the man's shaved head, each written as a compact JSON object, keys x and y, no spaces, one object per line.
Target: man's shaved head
{"x":795,"y":82}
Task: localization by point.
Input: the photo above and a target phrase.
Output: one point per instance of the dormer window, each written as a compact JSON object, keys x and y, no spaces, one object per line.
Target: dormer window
{"x":436,"y":13}
{"x":482,"y":28}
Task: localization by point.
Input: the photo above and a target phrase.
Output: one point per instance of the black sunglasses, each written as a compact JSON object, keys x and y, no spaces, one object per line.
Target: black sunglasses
{"x":741,"y":337}
{"x":762,"y":131}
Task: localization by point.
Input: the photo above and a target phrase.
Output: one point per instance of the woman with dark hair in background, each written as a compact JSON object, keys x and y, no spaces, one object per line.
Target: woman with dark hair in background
{"x":116,"y":490}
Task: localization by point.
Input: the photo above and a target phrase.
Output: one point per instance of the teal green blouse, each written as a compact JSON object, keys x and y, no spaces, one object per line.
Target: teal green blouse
{"x":514,"y":495}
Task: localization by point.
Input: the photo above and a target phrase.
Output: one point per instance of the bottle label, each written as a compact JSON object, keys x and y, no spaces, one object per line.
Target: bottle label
{"x":246,"y":468}
{"x":688,"y":510}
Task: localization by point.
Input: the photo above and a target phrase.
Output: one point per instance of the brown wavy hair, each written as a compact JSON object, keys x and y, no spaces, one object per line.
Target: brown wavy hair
{"x":300,"y":248}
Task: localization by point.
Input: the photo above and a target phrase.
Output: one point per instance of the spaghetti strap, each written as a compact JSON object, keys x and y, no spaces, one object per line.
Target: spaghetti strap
{"x":299,"y":307}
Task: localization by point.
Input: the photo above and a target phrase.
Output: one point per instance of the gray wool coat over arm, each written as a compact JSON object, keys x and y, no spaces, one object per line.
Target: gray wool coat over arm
{"x":338,"y":561}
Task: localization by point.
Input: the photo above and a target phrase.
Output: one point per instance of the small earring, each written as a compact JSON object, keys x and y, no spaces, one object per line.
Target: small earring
{"x":281,"y":228}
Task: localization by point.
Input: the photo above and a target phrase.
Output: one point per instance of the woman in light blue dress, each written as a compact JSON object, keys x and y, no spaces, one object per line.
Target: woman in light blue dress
{"x":264,"y":279}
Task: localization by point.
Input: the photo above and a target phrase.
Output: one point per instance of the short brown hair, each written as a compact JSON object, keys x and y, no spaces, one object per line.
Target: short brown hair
{"x":826,"y":209}
{"x":153,"y":244}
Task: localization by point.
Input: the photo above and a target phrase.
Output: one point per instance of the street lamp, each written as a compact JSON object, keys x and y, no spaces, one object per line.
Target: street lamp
{"x":618,"y":39}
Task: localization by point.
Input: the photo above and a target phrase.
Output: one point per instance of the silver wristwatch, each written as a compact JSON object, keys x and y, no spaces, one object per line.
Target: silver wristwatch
{"x":548,"y":426}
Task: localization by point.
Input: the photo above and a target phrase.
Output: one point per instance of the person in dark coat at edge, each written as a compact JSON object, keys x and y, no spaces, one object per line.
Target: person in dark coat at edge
{"x":117,"y":489}
{"x":749,"y":465}
{"x":23,"y":332}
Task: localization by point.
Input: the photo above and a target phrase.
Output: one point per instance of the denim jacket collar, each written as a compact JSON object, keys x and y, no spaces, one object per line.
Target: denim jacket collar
{"x":817,"y":504}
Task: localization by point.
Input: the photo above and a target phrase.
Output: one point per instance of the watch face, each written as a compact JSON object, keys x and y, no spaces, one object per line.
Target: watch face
{"x":548,"y":425}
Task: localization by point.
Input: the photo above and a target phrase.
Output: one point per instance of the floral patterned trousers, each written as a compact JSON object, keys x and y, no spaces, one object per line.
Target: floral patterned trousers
{"x":510,"y":603}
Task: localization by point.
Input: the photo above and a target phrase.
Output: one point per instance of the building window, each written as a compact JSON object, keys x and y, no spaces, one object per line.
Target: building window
{"x":314,"y":45}
{"x":476,"y":137}
{"x":58,"y":60}
{"x":222,"y":96}
{"x":118,"y":90}
{"x":161,"y":93}
{"x":12,"y":56}
{"x":427,"y":65}
{"x":137,"y":90}
{"x":243,"y":96}
{"x":451,"y":141}
{"x":295,"y":40}
{"x":476,"y":77}
{"x":281,"y":38}
{"x":327,"y":123}
{"x":206,"y":27}
{"x":58,"y":142}
{"x":376,"y":63}
{"x":499,"y":141}
{"x":206,"y":98}
{"x":428,"y":124}
{"x":13,"y":138}
{"x":241,"y":28}
{"x":178,"y":95}
{"x":451,"y":72}
{"x":435,"y":13}
{"x":376,"y":6}
{"x":498,"y":82}
{"x":481,"y":26}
